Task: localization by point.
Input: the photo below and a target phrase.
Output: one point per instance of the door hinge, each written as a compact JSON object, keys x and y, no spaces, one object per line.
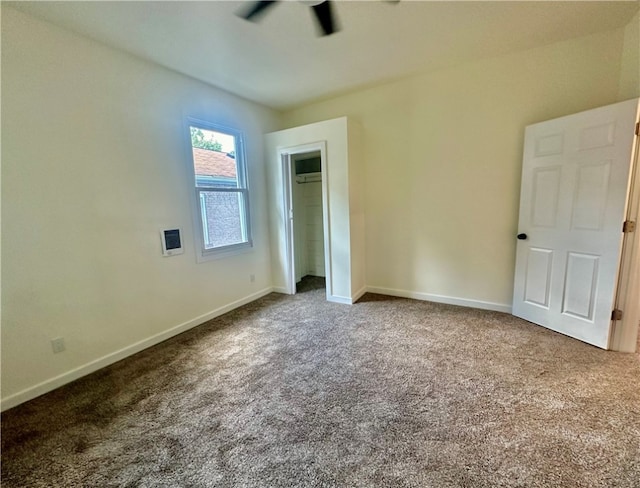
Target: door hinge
{"x":638,"y":128}
{"x":616,"y":314}
{"x":628,"y":226}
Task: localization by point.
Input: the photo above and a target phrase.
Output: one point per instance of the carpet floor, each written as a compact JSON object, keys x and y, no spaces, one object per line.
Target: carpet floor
{"x":295,"y":391}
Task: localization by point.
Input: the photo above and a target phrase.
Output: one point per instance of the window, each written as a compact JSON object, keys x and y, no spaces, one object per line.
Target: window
{"x":222,"y":196}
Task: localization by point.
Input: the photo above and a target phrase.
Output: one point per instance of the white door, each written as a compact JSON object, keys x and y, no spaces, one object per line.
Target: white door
{"x":575,"y":182}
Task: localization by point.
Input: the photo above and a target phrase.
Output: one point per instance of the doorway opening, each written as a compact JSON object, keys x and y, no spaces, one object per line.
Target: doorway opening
{"x":308,"y":231}
{"x":306,"y":214}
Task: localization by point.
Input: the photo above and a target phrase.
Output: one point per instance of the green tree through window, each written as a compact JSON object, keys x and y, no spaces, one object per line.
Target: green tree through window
{"x":198,"y":140}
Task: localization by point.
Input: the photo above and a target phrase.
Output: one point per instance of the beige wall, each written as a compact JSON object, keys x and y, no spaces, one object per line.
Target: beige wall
{"x":629,"y":86}
{"x":93,"y":165}
{"x":443,"y":155}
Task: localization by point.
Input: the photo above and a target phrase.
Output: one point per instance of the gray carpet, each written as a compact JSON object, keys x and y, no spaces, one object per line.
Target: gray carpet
{"x":295,"y":391}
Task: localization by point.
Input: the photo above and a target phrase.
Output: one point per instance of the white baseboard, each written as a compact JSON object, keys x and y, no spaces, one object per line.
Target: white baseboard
{"x":280,"y":289}
{"x":347,"y":300}
{"x":74,"y":374}
{"x":463,"y":302}
{"x":339,"y":299}
{"x":358,"y":295}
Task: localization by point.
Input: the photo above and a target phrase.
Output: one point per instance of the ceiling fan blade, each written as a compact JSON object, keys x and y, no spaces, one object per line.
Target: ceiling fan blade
{"x":325,"y":18}
{"x":257,"y":10}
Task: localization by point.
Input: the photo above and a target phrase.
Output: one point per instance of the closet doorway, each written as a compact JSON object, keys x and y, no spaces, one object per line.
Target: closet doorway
{"x":304,"y":170}
{"x":308,"y":239}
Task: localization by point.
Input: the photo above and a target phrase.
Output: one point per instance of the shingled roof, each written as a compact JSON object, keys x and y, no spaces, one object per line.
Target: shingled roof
{"x":213,"y":163}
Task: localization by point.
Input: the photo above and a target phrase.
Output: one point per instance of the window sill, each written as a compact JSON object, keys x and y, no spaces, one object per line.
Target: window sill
{"x":202,"y":256}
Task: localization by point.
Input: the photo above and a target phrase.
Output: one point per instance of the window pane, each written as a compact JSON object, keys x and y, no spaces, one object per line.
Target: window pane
{"x":214,"y":158}
{"x":222,"y":218}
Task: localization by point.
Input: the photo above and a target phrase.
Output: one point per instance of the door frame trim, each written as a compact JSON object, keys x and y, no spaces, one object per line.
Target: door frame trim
{"x":624,"y":333}
{"x":284,"y":155}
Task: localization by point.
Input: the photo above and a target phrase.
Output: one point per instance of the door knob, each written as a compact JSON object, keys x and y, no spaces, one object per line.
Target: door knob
{"x":522,"y":237}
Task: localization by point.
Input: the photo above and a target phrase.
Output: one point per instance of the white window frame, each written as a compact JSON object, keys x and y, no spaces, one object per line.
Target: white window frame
{"x":200,"y":232}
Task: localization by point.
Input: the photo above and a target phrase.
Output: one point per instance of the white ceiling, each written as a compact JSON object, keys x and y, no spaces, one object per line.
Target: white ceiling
{"x":280,"y":62}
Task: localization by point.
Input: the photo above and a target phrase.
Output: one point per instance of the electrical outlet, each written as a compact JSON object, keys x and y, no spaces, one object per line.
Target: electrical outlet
{"x":57,"y":344}
{"x":252,"y":278}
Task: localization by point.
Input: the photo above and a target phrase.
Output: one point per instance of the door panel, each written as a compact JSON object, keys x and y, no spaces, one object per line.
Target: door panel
{"x":581,"y":278}
{"x":549,"y":145}
{"x":597,"y":136}
{"x":544,"y":204}
{"x":538,"y":277}
{"x":591,"y":196}
{"x":575,"y":180}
